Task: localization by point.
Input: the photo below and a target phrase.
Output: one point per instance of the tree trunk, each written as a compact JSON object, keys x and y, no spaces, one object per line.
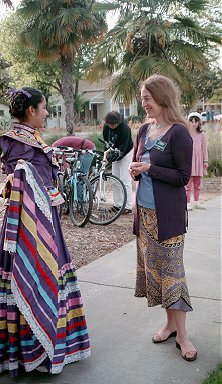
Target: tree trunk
{"x":68,"y":92}
{"x":76,"y":91}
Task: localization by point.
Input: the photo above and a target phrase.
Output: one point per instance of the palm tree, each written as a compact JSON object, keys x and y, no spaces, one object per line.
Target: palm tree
{"x":55,"y":30}
{"x":150,"y":38}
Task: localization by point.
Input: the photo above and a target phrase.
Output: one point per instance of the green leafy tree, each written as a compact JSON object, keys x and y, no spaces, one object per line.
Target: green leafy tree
{"x":26,"y":69}
{"x":4,"y":77}
{"x":56,"y":31}
{"x":207,"y":84}
{"x":83,"y":60}
{"x":150,"y":37}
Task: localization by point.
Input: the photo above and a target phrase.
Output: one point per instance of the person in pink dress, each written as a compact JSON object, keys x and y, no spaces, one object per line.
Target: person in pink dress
{"x":199,"y":160}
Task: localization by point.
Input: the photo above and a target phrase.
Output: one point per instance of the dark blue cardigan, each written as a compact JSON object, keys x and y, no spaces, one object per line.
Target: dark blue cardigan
{"x":170,"y":171}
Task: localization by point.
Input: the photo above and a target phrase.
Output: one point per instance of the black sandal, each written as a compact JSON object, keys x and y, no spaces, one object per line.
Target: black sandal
{"x":193,"y":358}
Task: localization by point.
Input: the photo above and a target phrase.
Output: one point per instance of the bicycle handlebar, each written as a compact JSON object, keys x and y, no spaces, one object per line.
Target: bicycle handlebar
{"x":60,"y":150}
{"x":110,"y":147}
{"x":108,"y":144}
{"x":63,"y":150}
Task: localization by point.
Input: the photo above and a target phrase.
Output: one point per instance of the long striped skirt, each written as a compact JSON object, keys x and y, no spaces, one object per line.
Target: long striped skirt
{"x":21,"y":342}
{"x":160,"y":271}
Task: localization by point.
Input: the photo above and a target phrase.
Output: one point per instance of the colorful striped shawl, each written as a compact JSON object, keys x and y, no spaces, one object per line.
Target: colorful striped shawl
{"x":26,"y":135}
{"x":30,"y":237}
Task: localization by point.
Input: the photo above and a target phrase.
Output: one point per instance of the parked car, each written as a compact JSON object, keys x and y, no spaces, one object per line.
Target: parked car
{"x":215,"y":117}
{"x":218,"y":117}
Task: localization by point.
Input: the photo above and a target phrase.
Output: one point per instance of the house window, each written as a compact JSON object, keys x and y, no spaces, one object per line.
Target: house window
{"x":124,"y":109}
{"x":127,"y":110}
{"x":94,"y":111}
{"x":121,"y":109}
{"x":1,"y":112}
{"x":57,"y":110}
{"x":83,"y":113}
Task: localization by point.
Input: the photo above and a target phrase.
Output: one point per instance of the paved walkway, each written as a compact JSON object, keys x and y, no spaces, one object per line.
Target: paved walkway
{"x":121,"y":326}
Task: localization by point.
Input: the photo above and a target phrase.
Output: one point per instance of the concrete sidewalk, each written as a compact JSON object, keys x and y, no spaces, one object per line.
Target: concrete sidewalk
{"x":121,"y":326}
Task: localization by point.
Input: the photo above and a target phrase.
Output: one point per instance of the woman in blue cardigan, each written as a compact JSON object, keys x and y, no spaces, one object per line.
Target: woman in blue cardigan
{"x":162,"y":164}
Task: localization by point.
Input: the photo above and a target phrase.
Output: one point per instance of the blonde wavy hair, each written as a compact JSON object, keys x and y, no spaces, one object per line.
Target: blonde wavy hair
{"x":166,"y":95}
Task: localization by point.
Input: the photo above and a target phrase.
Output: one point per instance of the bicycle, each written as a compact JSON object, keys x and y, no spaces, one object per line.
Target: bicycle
{"x":60,"y":154}
{"x":74,"y":186}
{"x":103,"y":211}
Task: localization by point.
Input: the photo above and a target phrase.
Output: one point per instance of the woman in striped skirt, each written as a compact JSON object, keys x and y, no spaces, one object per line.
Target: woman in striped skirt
{"x":42,"y":320}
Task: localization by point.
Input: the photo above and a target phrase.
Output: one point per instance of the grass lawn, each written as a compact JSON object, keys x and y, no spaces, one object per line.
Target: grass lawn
{"x":215,"y":377}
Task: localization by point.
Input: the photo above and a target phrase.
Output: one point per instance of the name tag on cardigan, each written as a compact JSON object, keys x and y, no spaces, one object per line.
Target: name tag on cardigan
{"x":160,"y":145}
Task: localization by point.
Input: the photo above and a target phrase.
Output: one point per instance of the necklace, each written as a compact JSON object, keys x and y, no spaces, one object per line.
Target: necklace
{"x":158,"y":127}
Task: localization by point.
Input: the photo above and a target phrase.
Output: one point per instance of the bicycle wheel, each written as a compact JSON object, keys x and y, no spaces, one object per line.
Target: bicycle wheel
{"x":102,"y":211}
{"x":63,"y":208}
{"x":81,"y":201}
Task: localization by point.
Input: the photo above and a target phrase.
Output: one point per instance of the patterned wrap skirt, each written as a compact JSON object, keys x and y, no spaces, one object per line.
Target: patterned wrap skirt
{"x":160,"y":271}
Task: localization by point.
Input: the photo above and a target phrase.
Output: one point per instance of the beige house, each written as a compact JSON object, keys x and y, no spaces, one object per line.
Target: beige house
{"x":97,"y":104}
{"x":202,"y":106}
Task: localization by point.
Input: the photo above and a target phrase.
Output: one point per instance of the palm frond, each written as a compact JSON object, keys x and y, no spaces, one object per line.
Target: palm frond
{"x":188,"y":55}
{"x":174,"y":72}
{"x":28,"y":8}
{"x":119,"y":32}
{"x":196,"y":5}
{"x":58,"y":28}
{"x":105,"y":6}
{"x":33,"y":41}
{"x":98,"y":71}
{"x":109,"y":51}
{"x":61,"y":28}
{"x":146,"y":66}
{"x":142,"y":68}
{"x":187,"y":28}
{"x":123,"y":88}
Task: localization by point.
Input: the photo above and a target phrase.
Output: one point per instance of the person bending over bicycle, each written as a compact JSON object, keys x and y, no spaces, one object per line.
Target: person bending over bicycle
{"x":78,"y":143}
{"x":119,"y":133}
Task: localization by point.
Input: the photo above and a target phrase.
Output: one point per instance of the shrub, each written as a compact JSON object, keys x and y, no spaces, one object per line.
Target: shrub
{"x":50,"y":139}
{"x":214,"y":152}
{"x":94,"y":137}
{"x":132,"y":119}
{"x":5,"y":123}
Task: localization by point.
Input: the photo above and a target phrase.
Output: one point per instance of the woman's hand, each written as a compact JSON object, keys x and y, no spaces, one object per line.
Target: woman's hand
{"x":133,"y":174}
{"x":135,"y":168}
{"x":7,"y":186}
{"x":139,"y":167}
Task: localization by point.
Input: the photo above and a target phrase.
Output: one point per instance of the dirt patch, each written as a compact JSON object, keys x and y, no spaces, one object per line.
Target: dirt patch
{"x":93,"y":241}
